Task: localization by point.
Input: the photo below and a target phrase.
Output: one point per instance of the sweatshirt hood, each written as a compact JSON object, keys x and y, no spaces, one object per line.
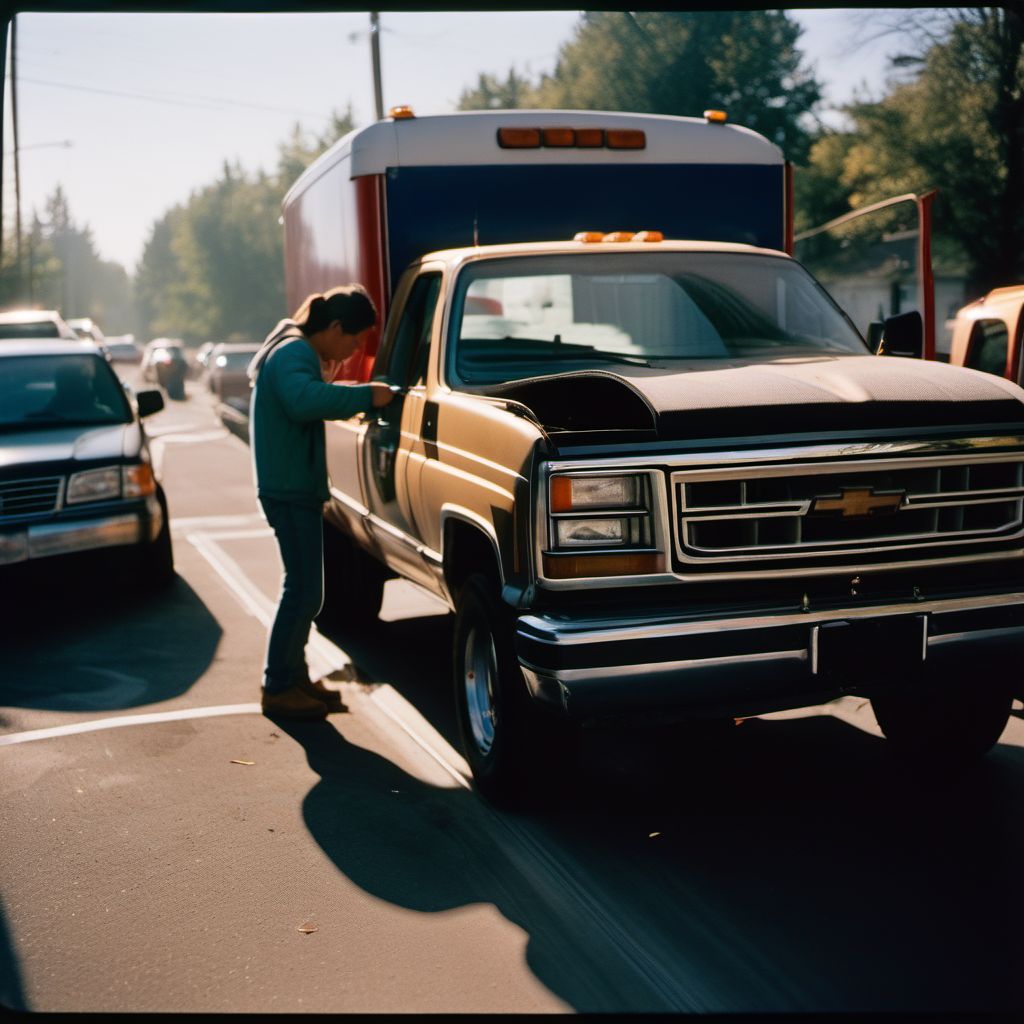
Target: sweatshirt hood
{"x":285,"y":328}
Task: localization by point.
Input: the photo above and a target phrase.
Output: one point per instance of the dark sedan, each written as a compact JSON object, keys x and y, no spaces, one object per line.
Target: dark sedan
{"x":228,"y":378}
{"x":75,"y":469}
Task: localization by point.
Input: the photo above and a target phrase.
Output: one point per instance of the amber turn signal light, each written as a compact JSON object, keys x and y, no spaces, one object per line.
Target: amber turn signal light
{"x":519,"y":138}
{"x":557,"y":137}
{"x":625,"y":138}
{"x":567,"y":567}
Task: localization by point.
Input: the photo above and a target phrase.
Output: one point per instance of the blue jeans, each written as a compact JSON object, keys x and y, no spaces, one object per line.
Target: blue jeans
{"x":300,"y":537}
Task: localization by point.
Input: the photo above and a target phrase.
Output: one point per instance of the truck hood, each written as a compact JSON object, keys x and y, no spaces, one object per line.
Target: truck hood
{"x":62,"y":444}
{"x":821,"y":393}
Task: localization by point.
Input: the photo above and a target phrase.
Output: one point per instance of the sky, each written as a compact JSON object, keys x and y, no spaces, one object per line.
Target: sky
{"x":152,"y":104}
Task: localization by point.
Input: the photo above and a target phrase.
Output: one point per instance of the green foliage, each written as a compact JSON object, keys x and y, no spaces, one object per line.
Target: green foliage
{"x":60,"y":269}
{"x":677,"y":62}
{"x":956,"y":125}
{"x":492,"y":94}
{"x":213,"y":266}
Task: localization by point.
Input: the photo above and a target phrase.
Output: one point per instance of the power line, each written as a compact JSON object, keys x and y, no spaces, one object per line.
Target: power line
{"x":202,"y":102}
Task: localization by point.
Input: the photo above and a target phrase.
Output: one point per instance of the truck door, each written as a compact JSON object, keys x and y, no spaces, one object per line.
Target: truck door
{"x":390,"y":430}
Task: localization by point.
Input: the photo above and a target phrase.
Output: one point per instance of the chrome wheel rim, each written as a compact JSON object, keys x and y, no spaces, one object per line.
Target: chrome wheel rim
{"x":480,"y":669}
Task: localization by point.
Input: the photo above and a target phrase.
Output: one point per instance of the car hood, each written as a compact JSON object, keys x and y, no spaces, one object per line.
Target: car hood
{"x":62,"y":444}
{"x":771,"y":397}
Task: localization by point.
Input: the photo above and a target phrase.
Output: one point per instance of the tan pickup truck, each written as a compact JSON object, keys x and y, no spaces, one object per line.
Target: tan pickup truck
{"x":669,"y":478}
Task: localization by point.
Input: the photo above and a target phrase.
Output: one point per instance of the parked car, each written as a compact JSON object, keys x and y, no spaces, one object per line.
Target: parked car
{"x":124,"y":349}
{"x":989,"y":334}
{"x":35,"y":323}
{"x":89,"y":330}
{"x":228,"y":379}
{"x":76,"y":474}
{"x":164,"y":363}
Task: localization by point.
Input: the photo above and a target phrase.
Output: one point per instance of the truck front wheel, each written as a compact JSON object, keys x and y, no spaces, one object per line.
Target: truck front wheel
{"x":513,"y":748}
{"x":951,"y":719}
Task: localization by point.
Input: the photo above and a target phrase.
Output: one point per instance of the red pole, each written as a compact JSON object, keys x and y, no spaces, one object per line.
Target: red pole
{"x":925,"y":277}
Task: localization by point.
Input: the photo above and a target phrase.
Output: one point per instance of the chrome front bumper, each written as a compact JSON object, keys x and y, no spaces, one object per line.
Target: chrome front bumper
{"x":44,"y":540}
{"x":751,"y":664}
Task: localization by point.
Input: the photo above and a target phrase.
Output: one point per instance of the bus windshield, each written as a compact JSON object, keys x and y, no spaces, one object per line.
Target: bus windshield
{"x":521,"y":317}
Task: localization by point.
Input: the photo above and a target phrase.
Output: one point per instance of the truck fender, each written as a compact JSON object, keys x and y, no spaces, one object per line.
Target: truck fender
{"x":457,"y":521}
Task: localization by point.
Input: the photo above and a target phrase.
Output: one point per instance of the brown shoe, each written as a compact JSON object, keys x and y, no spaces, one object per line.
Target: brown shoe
{"x":331,"y":699}
{"x":292,"y":703}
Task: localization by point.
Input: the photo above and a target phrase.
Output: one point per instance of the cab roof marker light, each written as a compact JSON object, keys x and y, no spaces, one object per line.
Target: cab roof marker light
{"x":519,"y":138}
{"x":625,"y":138}
{"x":648,"y":236}
{"x":618,"y":236}
{"x":558,"y":137}
{"x":401,"y":113}
{"x":716,"y":116}
{"x":588,"y":236}
{"x":589,"y":138}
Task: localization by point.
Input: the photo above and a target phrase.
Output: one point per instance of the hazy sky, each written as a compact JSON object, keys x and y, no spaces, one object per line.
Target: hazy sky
{"x":153,"y":104}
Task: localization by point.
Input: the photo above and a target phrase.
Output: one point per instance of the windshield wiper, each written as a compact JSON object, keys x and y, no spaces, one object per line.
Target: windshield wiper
{"x":573,"y":350}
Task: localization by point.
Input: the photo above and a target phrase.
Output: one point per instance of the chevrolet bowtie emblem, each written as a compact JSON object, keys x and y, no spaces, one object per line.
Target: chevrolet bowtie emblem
{"x":858,"y":501}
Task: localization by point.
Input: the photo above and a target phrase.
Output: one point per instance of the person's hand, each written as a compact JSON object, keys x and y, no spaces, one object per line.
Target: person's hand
{"x":381,"y":393}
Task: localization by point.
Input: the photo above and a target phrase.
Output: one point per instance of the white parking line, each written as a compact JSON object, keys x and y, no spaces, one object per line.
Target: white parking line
{"x":123,"y":720}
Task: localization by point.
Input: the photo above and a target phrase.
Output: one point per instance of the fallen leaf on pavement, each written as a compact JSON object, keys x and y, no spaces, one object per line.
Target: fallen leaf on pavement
{"x":234,"y":761}
{"x":308,"y":928}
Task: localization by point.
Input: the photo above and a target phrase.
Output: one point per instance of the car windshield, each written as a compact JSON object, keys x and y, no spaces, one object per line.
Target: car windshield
{"x":32,"y":329}
{"x":532,"y":316}
{"x":59,"y":390}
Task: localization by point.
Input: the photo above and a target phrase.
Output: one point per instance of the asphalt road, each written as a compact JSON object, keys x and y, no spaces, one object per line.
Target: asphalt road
{"x":166,"y":848}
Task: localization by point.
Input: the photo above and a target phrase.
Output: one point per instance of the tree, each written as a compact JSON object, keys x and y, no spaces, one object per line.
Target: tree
{"x":492,"y":94}
{"x":957,"y":124}
{"x":212,"y":267}
{"x":61,"y":270}
{"x":683,"y":62}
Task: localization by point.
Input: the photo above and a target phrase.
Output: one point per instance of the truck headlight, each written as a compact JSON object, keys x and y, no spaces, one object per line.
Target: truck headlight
{"x":601,"y":525}
{"x":94,"y":485}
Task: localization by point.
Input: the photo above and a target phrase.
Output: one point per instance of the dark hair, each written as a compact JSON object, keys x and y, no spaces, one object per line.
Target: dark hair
{"x":350,"y":305}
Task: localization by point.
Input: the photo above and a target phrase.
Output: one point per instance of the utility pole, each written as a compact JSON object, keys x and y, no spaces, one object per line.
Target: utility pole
{"x":17,"y":155}
{"x":375,"y":50}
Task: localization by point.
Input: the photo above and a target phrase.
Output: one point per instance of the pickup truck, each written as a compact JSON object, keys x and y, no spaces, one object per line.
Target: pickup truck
{"x":668,"y":478}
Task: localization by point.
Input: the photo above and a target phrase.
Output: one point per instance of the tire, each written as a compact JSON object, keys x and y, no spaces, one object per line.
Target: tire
{"x":941,"y":722}
{"x":353,"y":582}
{"x":517,"y":751}
{"x":156,"y":564}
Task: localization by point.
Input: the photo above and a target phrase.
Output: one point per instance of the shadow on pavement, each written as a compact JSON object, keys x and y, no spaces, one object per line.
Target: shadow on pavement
{"x":12,"y":996}
{"x":76,"y":644}
{"x":779,"y":865}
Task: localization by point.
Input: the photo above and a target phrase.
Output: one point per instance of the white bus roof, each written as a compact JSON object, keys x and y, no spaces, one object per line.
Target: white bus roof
{"x":470,"y":137}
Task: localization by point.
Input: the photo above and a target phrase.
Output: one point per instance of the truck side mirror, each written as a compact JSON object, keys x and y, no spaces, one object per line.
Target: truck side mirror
{"x":875,"y":330}
{"x":903,"y":335}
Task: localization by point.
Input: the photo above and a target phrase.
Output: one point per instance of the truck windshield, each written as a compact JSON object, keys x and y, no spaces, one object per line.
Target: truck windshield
{"x":59,"y":390}
{"x":530,"y":316}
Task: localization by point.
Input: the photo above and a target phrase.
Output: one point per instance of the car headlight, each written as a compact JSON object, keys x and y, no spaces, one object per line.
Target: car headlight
{"x":601,"y":525}
{"x":94,"y":485}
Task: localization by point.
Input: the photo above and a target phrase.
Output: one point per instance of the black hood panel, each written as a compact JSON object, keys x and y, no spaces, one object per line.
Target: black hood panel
{"x":811,"y":395}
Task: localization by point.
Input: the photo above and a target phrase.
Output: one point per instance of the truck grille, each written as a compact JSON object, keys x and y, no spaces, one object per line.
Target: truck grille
{"x":37,"y":496}
{"x":814,"y":511}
